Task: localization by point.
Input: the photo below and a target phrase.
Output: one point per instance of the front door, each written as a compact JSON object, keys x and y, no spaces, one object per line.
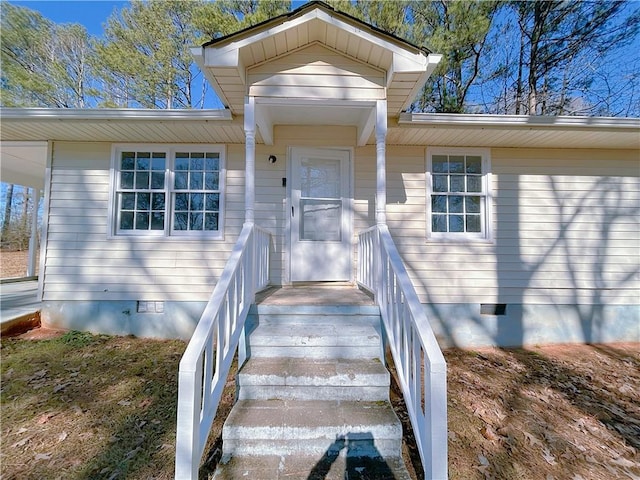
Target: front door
{"x":320,"y":215}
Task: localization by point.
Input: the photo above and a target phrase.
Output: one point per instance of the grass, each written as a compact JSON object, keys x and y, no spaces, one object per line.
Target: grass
{"x":91,"y":406}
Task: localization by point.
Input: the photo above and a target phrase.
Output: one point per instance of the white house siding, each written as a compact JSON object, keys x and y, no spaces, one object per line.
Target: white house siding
{"x":566,"y":247}
{"x":329,"y":75}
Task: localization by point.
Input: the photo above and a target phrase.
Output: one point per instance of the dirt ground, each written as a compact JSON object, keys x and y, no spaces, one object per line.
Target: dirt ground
{"x":551,"y":413}
{"x":13,"y":264}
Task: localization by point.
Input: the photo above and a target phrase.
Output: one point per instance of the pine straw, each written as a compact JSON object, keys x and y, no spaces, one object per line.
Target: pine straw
{"x":82,"y":406}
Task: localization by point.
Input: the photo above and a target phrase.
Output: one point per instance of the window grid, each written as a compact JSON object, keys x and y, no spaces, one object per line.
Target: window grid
{"x":458,"y":194}
{"x":196,"y":194}
{"x":141,"y":194}
{"x":171,"y":192}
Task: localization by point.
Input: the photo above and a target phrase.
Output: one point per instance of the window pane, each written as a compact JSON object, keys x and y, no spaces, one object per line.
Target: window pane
{"x":142,"y":221}
{"x":212,"y":202}
{"x":126,"y":221}
{"x":439,"y":223}
{"x":181,"y":180}
{"x":197,"y":201}
{"x":182,"y":202}
{"x":157,"y":201}
{"x":473,"y":223}
{"x":196,"y":221}
{"x":474,"y":184}
{"x":439,"y":203}
{"x":128,"y":201}
{"x":456,"y":223}
{"x":197,"y":161}
{"x":472,"y":204}
{"x":457,"y":183}
{"x":142,"y":180}
{"x":474,"y":165}
{"x":440,"y":183}
{"x":157,"y":221}
{"x":128,"y":161}
{"x":211,"y":180}
{"x":182,"y":161}
{"x":142,"y":162}
{"x":195,"y":181}
{"x":158,"y":161}
{"x":455,"y":204}
{"x":144,"y":201}
{"x":157,"y":180}
{"x":211,"y":221}
{"x":439,"y":164}
{"x":212,"y":161}
{"x":126,"y":179}
{"x":456,"y":164}
{"x":180,"y":221}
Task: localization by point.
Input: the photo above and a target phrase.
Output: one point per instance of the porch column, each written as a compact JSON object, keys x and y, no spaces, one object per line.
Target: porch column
{"x":381,"y":162}
{"x":250,"y":158}
{"x":33,"y":239}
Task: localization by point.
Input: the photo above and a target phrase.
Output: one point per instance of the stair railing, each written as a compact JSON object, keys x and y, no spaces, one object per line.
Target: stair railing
{"x":206,"y":362}
{"x":419,"y":362}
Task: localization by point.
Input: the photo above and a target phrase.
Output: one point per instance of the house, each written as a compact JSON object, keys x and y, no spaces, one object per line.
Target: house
{"x":541,"y":245}
{"x":503,"y":230}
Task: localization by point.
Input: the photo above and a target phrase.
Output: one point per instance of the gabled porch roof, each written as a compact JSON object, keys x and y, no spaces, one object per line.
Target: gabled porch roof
{"x":403,"y":66}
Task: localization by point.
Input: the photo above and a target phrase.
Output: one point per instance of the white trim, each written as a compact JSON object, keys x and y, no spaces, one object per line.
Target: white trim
{"x":114,"y":114}
{"x":486,"y":236}
{"x":168,"y":232}
{"x":515,"y":121}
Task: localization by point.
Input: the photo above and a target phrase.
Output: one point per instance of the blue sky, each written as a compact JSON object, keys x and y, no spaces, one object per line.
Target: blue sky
{"x":90,"y":13}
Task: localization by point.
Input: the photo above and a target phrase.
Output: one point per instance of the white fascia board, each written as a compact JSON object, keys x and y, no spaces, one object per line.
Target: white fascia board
{"x":198,"y":54}
{"x":113,"y":114}
{"x":411,"y":61}
{"x":516,"y":121}
{"x":432,"y":62}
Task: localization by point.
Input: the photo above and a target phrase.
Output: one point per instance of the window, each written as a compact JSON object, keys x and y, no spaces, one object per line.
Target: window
{"x":458,"y":193}
{"x":168,"y":191}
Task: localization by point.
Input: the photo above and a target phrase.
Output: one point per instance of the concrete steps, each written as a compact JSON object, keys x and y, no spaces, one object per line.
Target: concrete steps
{"x":313,"y":398}
{"x":285,"y":378}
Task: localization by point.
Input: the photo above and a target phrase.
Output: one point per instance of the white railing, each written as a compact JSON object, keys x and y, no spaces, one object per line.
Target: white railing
{"x":207,"y":360}
{"x":419,"y":362}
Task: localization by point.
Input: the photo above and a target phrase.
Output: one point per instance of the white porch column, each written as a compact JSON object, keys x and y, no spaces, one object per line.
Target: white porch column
{"x":250,"y":158}
{"x":36,"y":193}
{"x":381,"y":162}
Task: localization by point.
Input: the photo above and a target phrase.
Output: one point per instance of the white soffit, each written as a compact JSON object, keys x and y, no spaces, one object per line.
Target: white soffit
{"x":120,"y":125}
{"x":225,"y":61}
{"x":514,"y":131}
{"x":23,"y":163}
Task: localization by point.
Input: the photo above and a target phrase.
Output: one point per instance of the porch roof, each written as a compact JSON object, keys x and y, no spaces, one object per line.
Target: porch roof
{"x":225,"y":61}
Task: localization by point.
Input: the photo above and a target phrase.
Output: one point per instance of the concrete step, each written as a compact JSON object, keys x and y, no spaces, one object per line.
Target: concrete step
{"x":309,"y":379}
{"x":284,"y":427}
{"x":315,"y":332}
{"x":330,"y":466}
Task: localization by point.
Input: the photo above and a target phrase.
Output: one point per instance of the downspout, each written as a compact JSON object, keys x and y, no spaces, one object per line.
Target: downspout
{"x":250,"y":158}
{"x":381,"y":174}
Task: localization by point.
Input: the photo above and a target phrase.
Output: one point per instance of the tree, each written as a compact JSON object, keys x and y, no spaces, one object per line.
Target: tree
{"x":554,"y":36}
{"x":43,"y":64}
{"x":144,"y":62}
{"x":459,"y":31}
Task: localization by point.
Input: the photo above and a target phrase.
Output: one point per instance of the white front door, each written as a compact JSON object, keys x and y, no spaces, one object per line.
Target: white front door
{"x":320,"y":215}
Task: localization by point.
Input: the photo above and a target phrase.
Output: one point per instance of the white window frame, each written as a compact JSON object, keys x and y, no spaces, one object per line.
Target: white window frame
{"x":169,"y":190}
{"x":486,"y":229}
